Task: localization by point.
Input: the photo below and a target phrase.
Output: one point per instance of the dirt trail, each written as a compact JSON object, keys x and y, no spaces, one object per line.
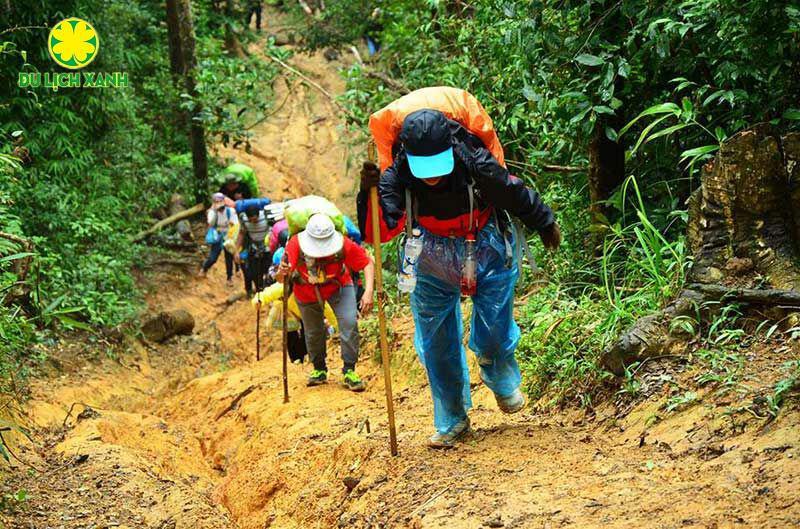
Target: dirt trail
{"x":194,"y":434}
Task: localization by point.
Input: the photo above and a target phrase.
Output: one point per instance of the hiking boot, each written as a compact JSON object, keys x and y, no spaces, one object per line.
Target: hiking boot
{"x":353,"y":382}
{"x":449,"y":439}
{"x":317,"y":378}
{"x":511,"y":404}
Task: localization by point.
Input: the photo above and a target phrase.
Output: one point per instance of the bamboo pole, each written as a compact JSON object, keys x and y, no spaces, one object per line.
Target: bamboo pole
{"x":258,"y":331}
{"x":376,"y":243}
{"x":285,"y":313}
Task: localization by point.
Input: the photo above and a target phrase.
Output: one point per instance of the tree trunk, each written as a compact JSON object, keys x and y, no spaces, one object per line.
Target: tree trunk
{"x":168,"y":324}
{"x":232,"y":43}
{"x":184,"y":63}
{"x":174,"y":41}
{"x":745,"y":223}
{"x":606,"y":167}
{"x":744,"y":235}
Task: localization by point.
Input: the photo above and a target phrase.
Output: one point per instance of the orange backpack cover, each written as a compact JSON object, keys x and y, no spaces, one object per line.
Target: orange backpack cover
{"x":458,"y":105}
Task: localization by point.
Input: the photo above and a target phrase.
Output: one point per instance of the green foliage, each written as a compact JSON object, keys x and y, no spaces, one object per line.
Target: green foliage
{"x":784,"y":388}
{"x":683,"y":76}
{"x":11,"y":502}
{"x":571,"y":321}
{"x":236,"y":93}
{"x":81,"y":170}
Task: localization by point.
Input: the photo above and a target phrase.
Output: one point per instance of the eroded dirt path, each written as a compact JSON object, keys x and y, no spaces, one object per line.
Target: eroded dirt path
{"x":193,"y":434}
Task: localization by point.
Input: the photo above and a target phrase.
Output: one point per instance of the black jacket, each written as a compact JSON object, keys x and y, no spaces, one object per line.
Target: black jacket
{"x":444,"y":208}
{"x":241,"y":187}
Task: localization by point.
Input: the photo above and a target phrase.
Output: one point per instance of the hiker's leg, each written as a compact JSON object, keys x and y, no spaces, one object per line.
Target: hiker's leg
{"x":293,"y":345}
{"x":258,"y":272}
{"x":213,"y":255}
{"x":228,"y":264}
{"x":258,"y":17}
{"x":251,"y":273}
{"x":494,"y":333}
{"x":343,"y":304}
{"x":315,"y":331}
{"x":437,"y":339}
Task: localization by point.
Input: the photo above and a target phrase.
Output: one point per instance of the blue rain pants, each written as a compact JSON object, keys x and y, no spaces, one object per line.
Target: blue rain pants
{"x":435,"y":304}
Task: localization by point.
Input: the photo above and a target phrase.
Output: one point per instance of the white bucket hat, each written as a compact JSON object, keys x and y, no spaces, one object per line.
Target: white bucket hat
{"x":320,"y":238}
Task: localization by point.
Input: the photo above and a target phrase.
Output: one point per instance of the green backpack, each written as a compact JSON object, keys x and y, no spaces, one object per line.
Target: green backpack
{"x":246,"y":175}
{"x":298,"y":211}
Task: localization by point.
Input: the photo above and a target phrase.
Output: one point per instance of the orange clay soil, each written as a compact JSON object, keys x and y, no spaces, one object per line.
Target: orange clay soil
{"x":194,"y":434}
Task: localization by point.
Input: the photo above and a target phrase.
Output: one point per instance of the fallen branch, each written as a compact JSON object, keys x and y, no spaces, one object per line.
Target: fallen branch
{"x":430,"y":500}
{"x":185,"y":214}
{"x":271,"y":112}
{"x":72,"y":407}
{"x":564,"y":169}
{"x":309,"y":82}
{"x":172,"y":262}
{"x":11,"y":453}
{"x":395,"y":85}
{"x":768,"y":296}
{"x":235,"y":401}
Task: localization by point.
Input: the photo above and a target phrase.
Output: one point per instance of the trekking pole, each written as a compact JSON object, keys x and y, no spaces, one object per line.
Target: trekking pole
{"x":285,"y":338}
{"x":376,"y":244}
{"x":258,"y":331}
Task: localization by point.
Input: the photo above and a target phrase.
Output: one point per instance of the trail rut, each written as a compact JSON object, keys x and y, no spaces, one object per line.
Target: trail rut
{"x":194,"y":433}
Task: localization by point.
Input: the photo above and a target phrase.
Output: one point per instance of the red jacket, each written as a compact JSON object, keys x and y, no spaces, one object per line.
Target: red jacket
{"x":337,"y":272}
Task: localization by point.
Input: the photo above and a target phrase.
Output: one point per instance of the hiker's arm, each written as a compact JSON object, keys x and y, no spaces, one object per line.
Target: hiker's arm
{"x":367,"y":298}
{"x":391,"y":199}
{"x":239,"y":245}
{"x":508,"y":192}
{"x":289,"y":260}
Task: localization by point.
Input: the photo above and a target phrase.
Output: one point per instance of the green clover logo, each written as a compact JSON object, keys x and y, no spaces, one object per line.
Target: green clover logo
{"x":73,"y":43}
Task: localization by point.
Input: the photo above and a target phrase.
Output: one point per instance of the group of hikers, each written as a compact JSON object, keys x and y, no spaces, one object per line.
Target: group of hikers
{"x":443,"y":186}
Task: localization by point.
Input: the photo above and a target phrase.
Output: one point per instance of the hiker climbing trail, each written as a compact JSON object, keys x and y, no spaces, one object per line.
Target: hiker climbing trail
{"x":194,"y":433}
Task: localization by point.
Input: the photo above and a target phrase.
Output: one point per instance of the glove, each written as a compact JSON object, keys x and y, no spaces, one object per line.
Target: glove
{"x":551,"y":236}
{"x":370,"y":176}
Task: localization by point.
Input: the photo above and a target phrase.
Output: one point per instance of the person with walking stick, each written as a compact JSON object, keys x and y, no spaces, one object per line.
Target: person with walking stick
{"x":319,"y":261}
{"x":444,"y":181}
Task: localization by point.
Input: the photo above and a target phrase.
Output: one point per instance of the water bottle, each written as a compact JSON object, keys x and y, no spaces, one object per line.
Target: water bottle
{"x":469,"y":270}
{"x":407,"y":275}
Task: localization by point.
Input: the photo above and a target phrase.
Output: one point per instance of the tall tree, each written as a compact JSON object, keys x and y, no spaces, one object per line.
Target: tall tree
{"x":184,"y":63}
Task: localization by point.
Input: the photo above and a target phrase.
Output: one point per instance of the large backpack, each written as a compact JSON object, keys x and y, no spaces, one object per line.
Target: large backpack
{"x":298,"y":211}
{"x":458,"y":105}
{"x":246,"y":175}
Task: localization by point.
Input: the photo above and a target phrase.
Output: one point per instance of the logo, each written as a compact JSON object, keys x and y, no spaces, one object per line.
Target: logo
{"x":73,"y":43}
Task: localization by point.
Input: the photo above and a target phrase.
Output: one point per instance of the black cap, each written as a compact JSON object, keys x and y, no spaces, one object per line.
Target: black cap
{"x":426,"y":132}
{"x":252,"y":211}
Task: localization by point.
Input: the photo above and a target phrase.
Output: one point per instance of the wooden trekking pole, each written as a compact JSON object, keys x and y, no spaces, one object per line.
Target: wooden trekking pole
{"x":376,"y":244}
{"x":285,"y":313}
{"x":258,"y":331}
